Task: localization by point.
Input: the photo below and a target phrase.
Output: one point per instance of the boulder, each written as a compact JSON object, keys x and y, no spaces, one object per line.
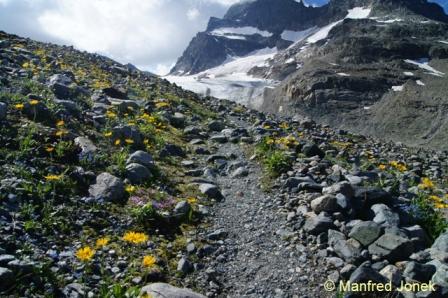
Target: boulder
{"x":141,"y":157}
{"x":318,"y":224}
{"x":327,"y":203}
{"x":365,"y":232}
{"x":384,"y":216}
{"x":137,"y":173}
{"x":419,"y":272}
{"x":108,"y":188}
{"x":392,"y":247}
{"x":163,"y":290}
{"x":349,"y":250}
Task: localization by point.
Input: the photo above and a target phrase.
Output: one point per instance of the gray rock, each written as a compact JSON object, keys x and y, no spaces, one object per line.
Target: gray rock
{"x":191,"y":248}
{"x":163,"y":290}
{"x":108,"y":188}
{"x":137,"y":173}
{"x":318,"y":224}
{"x":392,"y":247}
{"x":218,"y":234}
{"x":384,"y":216}
{"x":141,"y":157}
{"x":69,"y":106}
{"x":3,"y":109}
{"x":419,"y":272}
{"x":21,"y":267}
{"x":441,"y":243}
{"x":344,"y":188}
{"x":240,"y":172}
{"x":88,"y":149}
{"x":219,"y":138}
{"x":349,"y":250}
{"x":392,"y":273}
{"x":326,"y":203}
{"x":365,"y":232}
{"x":365,"y":273}
{"x":124,"y":132}
{"x":171,"y":150}
{"x":295,"y":181}
{"x":184,"y":266}
{"x":334,"y":236}
{"x":59,"y":84}
{"x":5,"y":259}
{"x":311,"y":149}
{"x":441,"y":276}
{"x":182,"y":208}
{"x":210,"y":190}
{"x":6,"y":278}
{"x":215,"y":125}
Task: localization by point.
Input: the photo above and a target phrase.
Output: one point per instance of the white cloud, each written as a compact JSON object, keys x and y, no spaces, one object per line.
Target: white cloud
{"x":193,"y":14}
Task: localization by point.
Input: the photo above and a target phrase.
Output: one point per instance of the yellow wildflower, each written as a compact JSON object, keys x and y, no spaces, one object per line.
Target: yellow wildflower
{"x":382,"y":167}
{"x":129,"y":141}
{"x":135,"y":237}
{"x":146,"y":141}
{"x":34,"y":102}
{"x":60,"y":133}
{"x":132,"y":123}
{"x":149,"y":261}
{"x":49,"y":149}
{"x":284,"y":125}
{"x":102,"y":242}
{"x":400,"y":166}
{"x":85,"y":254}
{"x":19,"y":106}
{"x":266,"y":126}
{"x":270,"y":141}
{"x":192,"y":200}
{"x":108,"y":134}
{"x":53,"y":177}
{"x":130,"y":188}
{"x":426,"y":183}
{"x":60,"y":123}
{"x":111,"y":115}
{"x":117,"y":142}
{"x":440,"y":206}
{"x":162,"y":104}
{"x":436,"y":199}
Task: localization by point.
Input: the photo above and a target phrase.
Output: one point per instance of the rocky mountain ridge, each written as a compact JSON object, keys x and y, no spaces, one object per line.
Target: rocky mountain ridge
{"x":355,"y":65}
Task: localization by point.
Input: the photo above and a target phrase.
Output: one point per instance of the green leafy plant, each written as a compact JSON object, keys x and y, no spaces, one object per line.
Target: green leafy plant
{"x":431,"y":219}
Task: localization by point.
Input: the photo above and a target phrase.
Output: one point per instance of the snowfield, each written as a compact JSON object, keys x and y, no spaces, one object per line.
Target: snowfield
{"x":230,"y":32}
{"x":231,"y":80}
{"x":423,"y":63}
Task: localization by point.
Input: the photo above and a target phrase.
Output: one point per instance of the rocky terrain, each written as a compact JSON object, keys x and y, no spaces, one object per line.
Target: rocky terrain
{"x":367,"y":66}
{"x":115,"y":183}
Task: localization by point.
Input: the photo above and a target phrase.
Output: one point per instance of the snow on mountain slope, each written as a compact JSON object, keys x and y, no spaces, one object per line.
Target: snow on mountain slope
{"x":247,"y":30}
{"x":231,"y":80}
{"x":354,"y":13}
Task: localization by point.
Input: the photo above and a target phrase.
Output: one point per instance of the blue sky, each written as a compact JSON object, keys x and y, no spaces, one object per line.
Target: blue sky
{"x":151,"y":34}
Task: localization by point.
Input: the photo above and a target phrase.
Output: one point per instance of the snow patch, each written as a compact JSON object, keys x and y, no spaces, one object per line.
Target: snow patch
{"x":231,"y":80}
{"x":343,"y":74}
{"x":398,"y":88}
{"x":408,"y":73}
{"x":423,"y":63}
{"x":358,"y":13}
{"x":231,"y":31}
{"x":420,"y":83}
{"x":443,"y":41}
{"x":390,"y":21}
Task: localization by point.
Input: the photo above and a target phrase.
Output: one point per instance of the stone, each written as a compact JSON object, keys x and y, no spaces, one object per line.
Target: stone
{"x":141,"y":157}
{"x":108,"y":188}
{"x":334,"y":236}
{"x":392,"y":247}
{"x":365,"y":232}
{"x":295,"y":181}
{"x":5,"y":259}
{"x":6,"y":278}
{"x":3,"y":109}
{"x":441,"y":276}
{"x":184,"y":266}
{"x":137,"y":173}
{"x":182,"y":208}
{"x":59,"y":84}
{"x":218,"y":234}
{"x":221,"y":139}
{"x":215,"y":125}
{"x":419,"y":272}
{"x":21,"y":267}
{"x":210,"y":190}
{"x":327,"y":203}
{"x":392,"y":273}
{"x":318,"y":224}
{"x":163,"y":290}
{"x":311,"y":149}
{"x":178,"y":120}
{"x":365,"y":197}
{"x":69,"y":106}
{"x":441,"y":243}
{"x":343,"y":187}
{"x":365,"y":273}
{"x":240,"y":172}
{"x":384,"y":216}
{"x":127,"y":132}
{"x":88,"y":149}
{"x":349,"y":250}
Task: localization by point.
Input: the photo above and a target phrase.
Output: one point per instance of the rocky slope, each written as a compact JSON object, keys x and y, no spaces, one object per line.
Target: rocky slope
{"x":115,"y":183}
{"x":349,"y":64}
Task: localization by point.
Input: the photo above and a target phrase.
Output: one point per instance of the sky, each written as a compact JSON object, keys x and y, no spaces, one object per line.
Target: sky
{"x":150,"y":34}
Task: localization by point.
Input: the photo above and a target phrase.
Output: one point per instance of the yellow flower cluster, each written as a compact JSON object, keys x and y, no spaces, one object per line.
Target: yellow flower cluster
{"x":438,"y":202}
{"x":135,"y":237}
{"x":130,"y":189}
{"x":149,"y":261}
{"x":288,"y":141}
{"x":400,"y":166}
{"x":426,"y":183}
{"x":162,"y":104}
{"x":85,"y":254}
{"x":53,"y":177}
{"x":101,"y":242}
{"x":111,"y":114}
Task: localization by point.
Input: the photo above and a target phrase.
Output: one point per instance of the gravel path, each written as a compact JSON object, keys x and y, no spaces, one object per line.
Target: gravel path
{"x":261,"y":256}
